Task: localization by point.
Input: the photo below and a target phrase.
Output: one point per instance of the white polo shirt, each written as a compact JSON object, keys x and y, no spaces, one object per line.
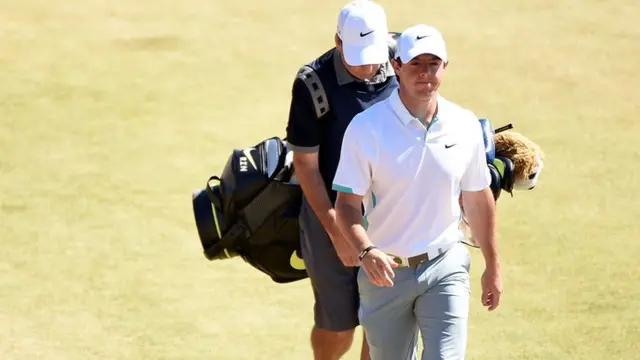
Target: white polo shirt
{"x":411,"y":176}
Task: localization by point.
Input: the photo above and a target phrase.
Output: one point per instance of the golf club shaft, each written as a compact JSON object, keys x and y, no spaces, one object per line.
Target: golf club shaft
{"x":503,"y":128}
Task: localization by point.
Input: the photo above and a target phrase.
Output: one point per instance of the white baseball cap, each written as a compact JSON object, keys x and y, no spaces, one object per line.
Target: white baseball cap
{"x":421,"y":39}
{"x":362,"y":27}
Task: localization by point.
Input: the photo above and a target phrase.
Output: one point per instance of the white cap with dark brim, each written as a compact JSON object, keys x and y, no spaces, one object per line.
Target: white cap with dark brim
{"x":421,"y":39}
{"x":362,"y":27}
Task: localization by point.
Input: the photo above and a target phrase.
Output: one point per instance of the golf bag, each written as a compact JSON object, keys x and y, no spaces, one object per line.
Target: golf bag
{"x":501,"y":168}
{"x":252,"y":212}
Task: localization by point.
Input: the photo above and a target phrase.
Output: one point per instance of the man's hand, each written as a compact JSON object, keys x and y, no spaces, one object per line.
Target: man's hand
{"x":346,"y":252}
{"x":379,"y":268}
{"x":376,"y":264}
{"x":307,"y":170}
{"x":491,"y":287}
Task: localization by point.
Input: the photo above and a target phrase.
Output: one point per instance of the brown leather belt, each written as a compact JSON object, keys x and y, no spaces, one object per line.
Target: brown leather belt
{"x":419,"y":259}
{"x":414,"y":260}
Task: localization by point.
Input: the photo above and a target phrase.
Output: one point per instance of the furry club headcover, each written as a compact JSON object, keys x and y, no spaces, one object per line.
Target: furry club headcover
{"x":517,"y":165}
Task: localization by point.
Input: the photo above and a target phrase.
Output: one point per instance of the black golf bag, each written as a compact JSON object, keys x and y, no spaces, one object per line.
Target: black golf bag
{"x":252,"y":212}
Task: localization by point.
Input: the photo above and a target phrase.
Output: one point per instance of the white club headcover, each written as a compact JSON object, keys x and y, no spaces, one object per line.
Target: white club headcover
{"x":288,"y":164}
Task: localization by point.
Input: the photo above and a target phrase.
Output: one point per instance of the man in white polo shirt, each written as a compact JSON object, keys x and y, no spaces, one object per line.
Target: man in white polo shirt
{"x":408,"y":159}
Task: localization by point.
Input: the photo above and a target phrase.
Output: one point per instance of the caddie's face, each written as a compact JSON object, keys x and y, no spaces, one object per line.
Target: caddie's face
{"x":362,"y":72}
{"x":422,"y":75}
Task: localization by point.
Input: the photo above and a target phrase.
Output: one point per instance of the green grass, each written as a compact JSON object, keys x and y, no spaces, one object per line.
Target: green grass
{"x":111,"y":113}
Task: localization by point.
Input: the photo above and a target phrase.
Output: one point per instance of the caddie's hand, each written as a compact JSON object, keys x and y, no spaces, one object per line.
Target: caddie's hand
{"x":491,"y":287}
{"x":379,"y":267}
{"x":346,"y":252}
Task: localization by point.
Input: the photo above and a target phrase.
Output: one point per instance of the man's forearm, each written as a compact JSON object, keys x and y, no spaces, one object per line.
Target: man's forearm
{"x":349,"y":218}
{"x":315,"y":192}
{"x":480,"y":212}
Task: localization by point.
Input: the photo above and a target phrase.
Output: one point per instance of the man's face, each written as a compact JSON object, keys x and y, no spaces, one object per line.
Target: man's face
{"x":363,"y":72}
{"x":421,"y":76}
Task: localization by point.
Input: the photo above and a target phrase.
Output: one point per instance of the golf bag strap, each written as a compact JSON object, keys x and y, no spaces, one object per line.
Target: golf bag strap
{"x":273,"y":197}
{"x":234,"y":233}
{"x":254,"y":214}
{"x":318,"y":95}
{"x":311,"y":79}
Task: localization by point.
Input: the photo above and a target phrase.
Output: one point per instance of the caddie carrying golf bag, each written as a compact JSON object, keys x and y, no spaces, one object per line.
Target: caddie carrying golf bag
{"x":253,"y":211}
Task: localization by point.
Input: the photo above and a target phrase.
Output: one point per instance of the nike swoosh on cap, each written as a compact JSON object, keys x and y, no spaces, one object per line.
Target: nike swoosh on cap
{"x":365,"y":34}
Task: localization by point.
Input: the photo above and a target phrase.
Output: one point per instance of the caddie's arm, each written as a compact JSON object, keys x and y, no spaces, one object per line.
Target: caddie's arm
{"x":303,"y":137}
{"x":352,"y":180}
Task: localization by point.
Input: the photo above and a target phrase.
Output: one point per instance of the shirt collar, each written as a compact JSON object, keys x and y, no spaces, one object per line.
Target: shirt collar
{"x":344,"y":77}
{"x":403,"y":114}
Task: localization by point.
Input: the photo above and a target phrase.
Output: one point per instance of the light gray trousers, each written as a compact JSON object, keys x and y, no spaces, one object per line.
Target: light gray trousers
{"x":431,"y":299}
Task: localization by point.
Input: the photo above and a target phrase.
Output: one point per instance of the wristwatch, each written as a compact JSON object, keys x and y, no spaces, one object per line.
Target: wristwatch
{"x":365,"y":251}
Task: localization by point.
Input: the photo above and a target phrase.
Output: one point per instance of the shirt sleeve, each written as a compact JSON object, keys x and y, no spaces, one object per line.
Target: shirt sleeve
{"x":353,"y":174}
{"x":477,"y":176}
{"x":303,"y":127}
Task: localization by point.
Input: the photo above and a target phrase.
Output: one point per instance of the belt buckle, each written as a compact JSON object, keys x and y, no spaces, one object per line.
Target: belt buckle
{"x":400,"y":260}
{"x":424,"y":257}
{"x":419,"y":259}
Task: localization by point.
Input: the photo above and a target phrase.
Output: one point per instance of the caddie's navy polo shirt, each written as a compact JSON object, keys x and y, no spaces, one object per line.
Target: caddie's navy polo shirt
{"x":347,"y":96}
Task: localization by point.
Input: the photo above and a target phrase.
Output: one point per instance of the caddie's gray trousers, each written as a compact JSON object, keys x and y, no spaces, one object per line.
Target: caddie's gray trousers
{"x":431,"y":298}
